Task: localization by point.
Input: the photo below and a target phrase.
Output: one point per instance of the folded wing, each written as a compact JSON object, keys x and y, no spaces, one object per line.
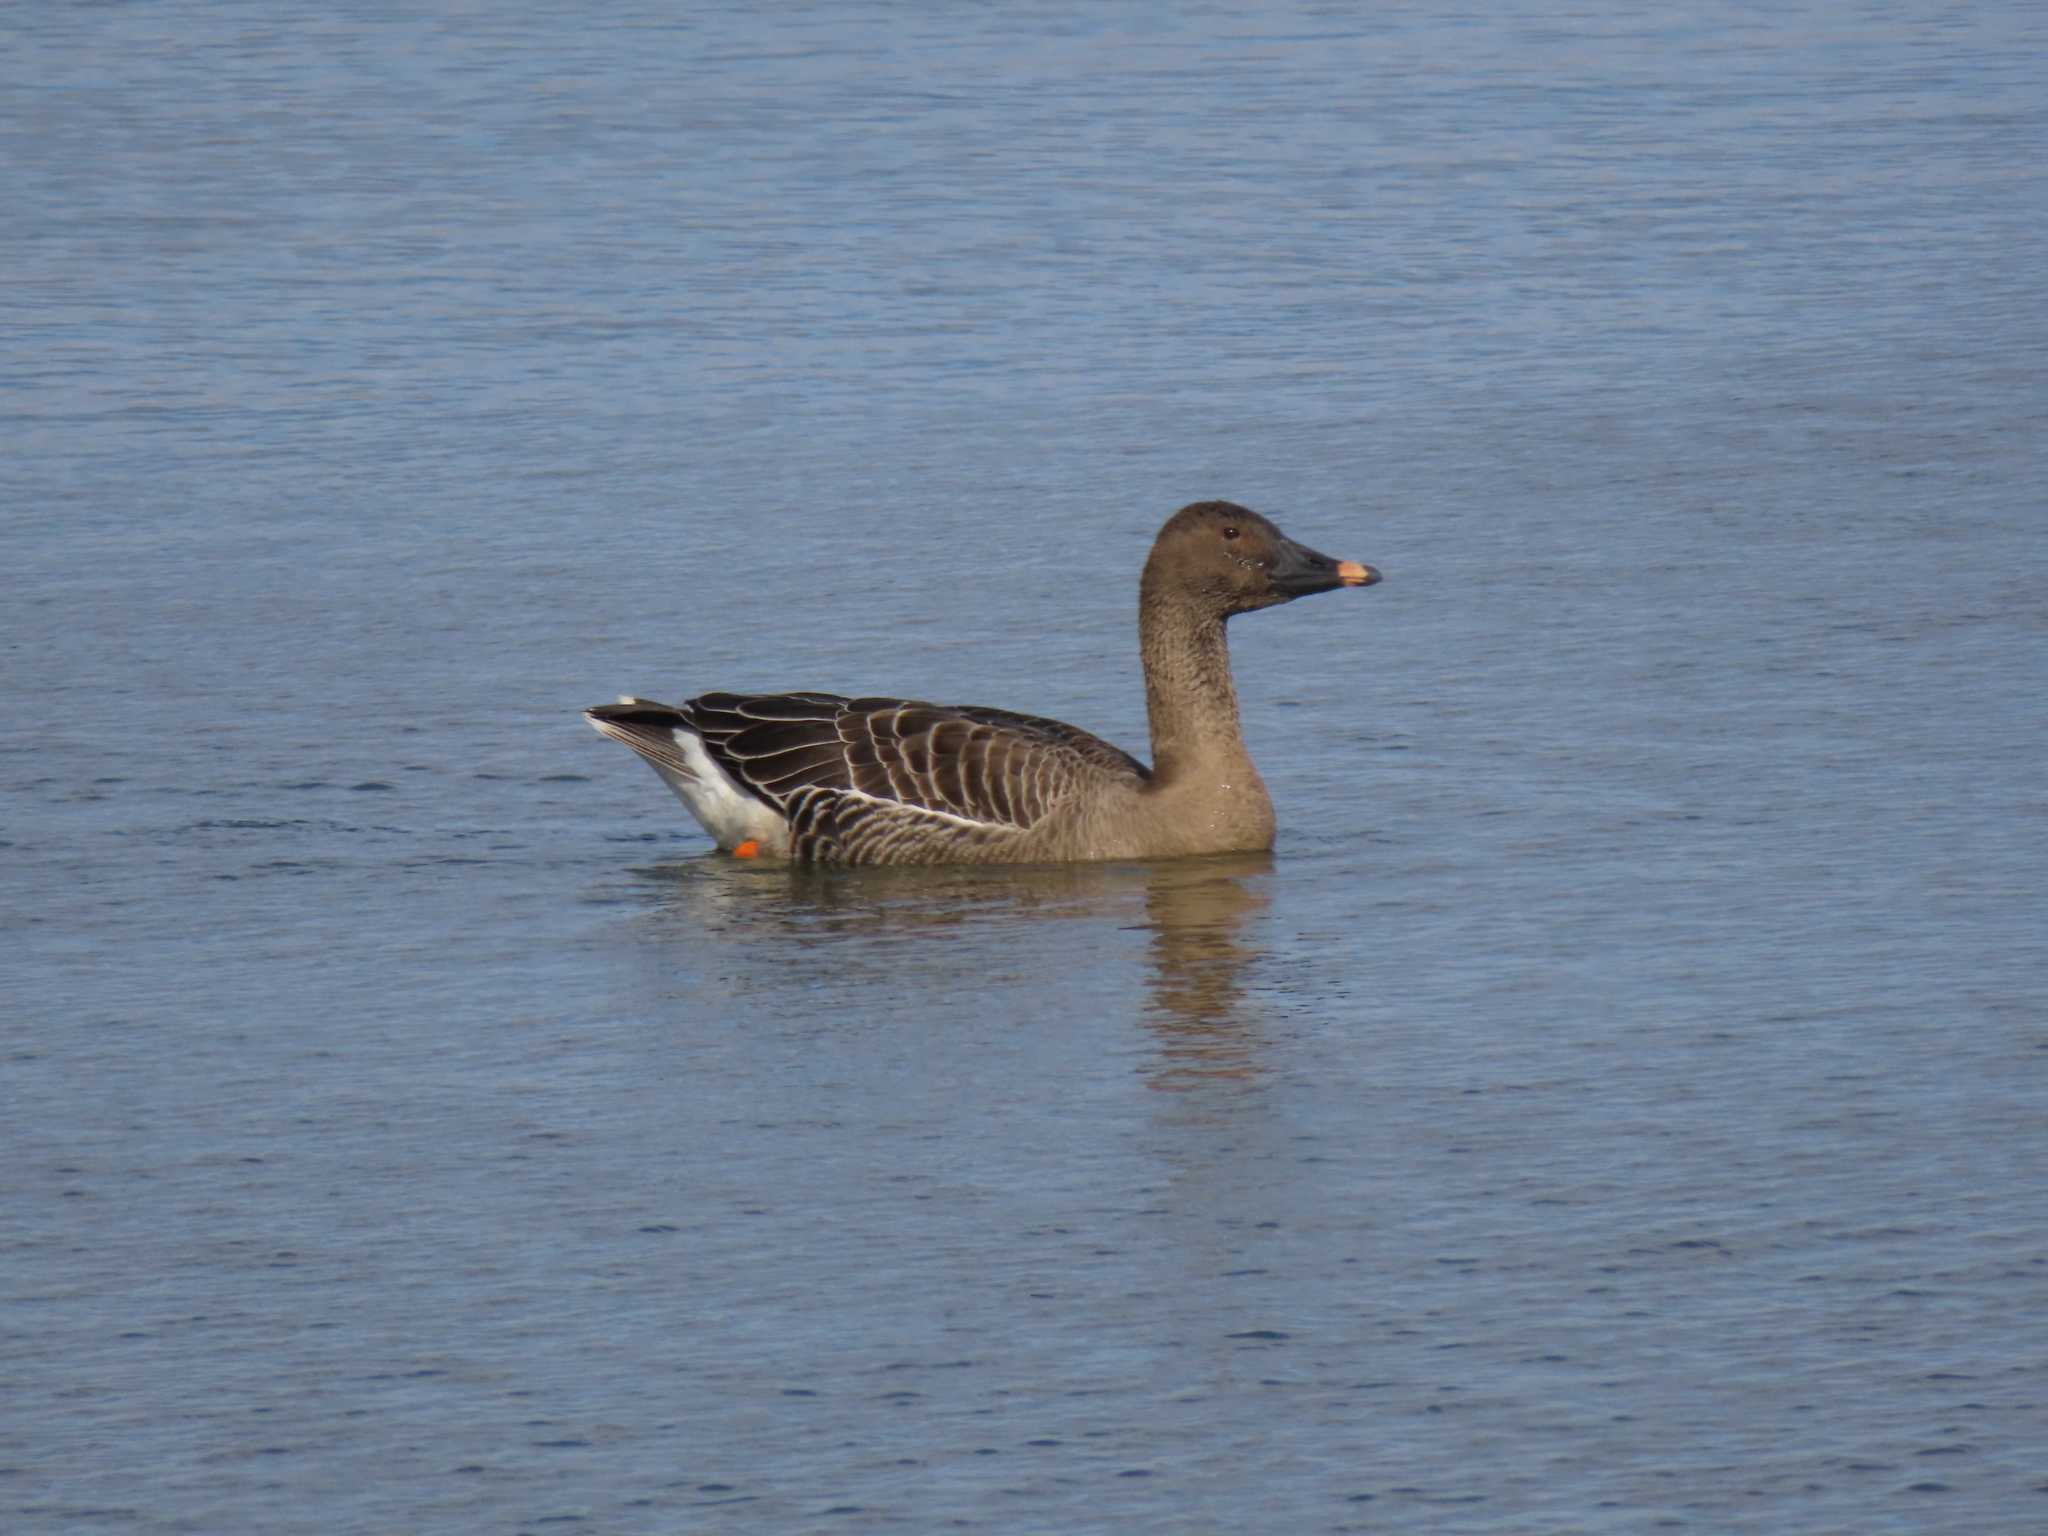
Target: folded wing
{"x":894,"y":780}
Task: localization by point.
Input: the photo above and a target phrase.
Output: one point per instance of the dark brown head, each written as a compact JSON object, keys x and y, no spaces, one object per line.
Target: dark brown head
{"x":1231,"y":560}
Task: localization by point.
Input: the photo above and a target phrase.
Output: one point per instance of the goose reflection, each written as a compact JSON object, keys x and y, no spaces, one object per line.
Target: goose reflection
{"x":841,"y":932}
{"x":1206,"y":1027}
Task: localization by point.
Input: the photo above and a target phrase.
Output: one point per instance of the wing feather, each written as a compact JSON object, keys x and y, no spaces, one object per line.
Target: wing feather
{"x":865,"y":779}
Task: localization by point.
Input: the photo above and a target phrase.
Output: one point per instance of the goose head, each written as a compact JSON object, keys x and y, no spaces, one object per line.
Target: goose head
{"x":1226,"y":559}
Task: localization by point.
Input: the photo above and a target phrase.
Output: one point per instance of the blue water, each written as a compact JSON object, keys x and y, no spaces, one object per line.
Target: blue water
{"x":1618,"y":1103}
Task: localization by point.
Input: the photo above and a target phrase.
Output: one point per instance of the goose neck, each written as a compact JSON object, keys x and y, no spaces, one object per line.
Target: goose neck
{"x":1189,"y":694}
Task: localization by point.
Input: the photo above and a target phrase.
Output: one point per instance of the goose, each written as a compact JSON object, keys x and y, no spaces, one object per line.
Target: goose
{"x":824,"y":778}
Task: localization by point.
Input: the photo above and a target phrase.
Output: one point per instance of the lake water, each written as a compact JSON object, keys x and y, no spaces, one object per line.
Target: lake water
{"x":1619,"y":1103}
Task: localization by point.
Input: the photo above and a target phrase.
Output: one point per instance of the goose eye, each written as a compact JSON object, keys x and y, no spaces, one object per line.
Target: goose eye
{"x":1230,"y":533}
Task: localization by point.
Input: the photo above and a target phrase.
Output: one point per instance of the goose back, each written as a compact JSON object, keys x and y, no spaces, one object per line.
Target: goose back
{"x":879,"y":780}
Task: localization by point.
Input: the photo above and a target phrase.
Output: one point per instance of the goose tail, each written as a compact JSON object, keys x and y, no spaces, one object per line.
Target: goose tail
{"x":670,"y":743}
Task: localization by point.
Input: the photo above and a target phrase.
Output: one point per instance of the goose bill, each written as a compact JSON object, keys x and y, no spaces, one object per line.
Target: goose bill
{"x":1300,"y":571}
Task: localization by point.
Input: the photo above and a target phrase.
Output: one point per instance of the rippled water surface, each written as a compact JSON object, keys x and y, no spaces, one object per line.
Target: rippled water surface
{"x":1618,"y":1102}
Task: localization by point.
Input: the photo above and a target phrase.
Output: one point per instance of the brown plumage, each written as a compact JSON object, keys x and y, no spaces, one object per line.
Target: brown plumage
{"x":825,"y":778}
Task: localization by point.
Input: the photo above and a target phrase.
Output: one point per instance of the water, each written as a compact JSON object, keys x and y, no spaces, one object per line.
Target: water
{"x":1616,"y":1105}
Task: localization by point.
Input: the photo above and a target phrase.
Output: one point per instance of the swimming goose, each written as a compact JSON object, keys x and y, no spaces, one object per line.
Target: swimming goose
{"x":823,"y":778}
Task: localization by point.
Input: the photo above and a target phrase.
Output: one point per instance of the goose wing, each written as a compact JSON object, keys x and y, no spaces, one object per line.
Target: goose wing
{"x":855,"y":771}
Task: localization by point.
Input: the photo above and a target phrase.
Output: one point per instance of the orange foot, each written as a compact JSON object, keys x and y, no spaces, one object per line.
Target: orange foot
{"x":747,"y":849}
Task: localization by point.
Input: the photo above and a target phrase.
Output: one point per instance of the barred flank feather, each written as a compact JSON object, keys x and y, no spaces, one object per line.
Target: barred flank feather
{"x":880,"y":781}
